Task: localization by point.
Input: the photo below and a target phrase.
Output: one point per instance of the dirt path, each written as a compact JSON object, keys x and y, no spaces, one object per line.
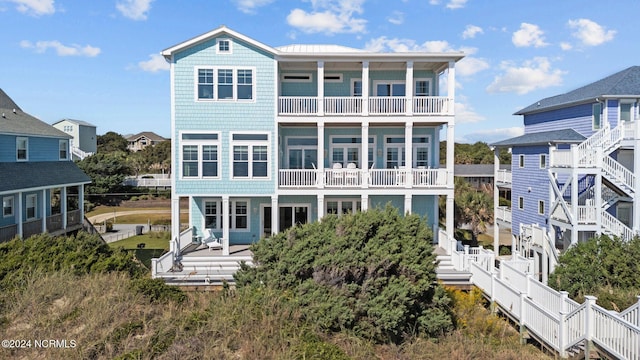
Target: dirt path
{"x":106,"y":216}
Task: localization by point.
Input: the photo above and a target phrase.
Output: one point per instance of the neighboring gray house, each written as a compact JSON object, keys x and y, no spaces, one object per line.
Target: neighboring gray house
{"x":141,"y":140}
{"x":574,"y":171}
{"x":84,"y":141}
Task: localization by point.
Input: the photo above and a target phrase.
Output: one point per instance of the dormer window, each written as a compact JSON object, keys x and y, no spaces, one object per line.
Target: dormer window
{"x":224,"y":46}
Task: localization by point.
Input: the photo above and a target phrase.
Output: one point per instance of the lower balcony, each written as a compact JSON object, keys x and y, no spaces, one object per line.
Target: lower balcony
{"x":503,"y":213}
{"x":34,"y":227}
{"x":358,"y":178}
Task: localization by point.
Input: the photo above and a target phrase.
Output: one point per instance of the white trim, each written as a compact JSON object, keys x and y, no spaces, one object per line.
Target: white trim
{"x":389,"y":82}
{"x":540,"y":202}
{"x":354,"y":145}
{"x":288,"y":147}
{"x":593,"y":118}
{"x":218,"y":215}
{"x":200,"y":143}
{"x":66,"y":150}
{"x":402,"y":147}
{"x":228,"y":52}
{"x":232,"y":214}
{"x":629,"y":102}
{"x":215,"y":84}
{"x":520,"y":202}
{"x":415,"y":85}
{"x":26,"y":144}
{"x":296,"y":77}
{"x":354,"y":204}
{"x":293,"y":206}
{"x":353,"y":85}
{"x":250,"y":144}
{"x":543,"y":164}
{"x":13,"y":205}
{"x":35,"y":206}
{"x":521,"y":161}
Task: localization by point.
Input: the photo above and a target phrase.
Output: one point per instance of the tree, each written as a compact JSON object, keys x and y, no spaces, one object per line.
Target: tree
{"x":372,"y":273}
{"x":111,"y":142}
{"x":603,"y":266}
{"x":477,"y":211}
{"x":477,"y":153}
{"x":106,"y":170}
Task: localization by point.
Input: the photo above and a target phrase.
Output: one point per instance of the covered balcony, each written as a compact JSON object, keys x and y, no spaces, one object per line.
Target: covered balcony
{"x":357,"y":106}
{"x":360,"y":178}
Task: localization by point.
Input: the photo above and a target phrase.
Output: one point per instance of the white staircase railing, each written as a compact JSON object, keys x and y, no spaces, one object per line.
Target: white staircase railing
{"x":615,"y":227}
{"x":620,"y":175}
{"x":79,"y":153}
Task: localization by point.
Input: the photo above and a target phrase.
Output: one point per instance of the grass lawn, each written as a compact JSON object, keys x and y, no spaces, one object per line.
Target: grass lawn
{"x":155,"y":244}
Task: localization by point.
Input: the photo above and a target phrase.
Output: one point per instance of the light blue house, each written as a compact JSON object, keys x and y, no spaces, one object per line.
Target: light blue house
{"x":40,"y":187}
{"x":266,"y":138}
{"x":572,"y":172}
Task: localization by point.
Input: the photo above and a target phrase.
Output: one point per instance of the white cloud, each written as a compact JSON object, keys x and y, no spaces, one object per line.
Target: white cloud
{"x":396,"y":18}
{"x":452,"y":4}
{"x":471,"y":31}
{"x":155,"y":63}
{"x":565,"y":46}
{"x":532,"y":75}
{"x":60,"y":49}
{"x":35,"y":7}
{"x":456,"y":4}
{"x":250,"y":6}
{"x":330,"y":17}
{"x":471,"y":65}
{"x":528,"y":35}
{"x":492,"y":135}
{"x":590,"y":33}
{"x":134,"y":9}
{"x":465,"y":114}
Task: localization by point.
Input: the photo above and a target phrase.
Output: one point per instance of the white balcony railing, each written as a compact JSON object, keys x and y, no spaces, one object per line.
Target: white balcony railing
{"x":311,"y":178}
{"x":376,"y":105}
{"x":504,"y":176}
{"x":503,"y":213}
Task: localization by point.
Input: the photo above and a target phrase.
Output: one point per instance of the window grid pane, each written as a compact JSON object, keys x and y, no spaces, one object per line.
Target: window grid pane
{"x":205,"y":84}
{"x":245,"y":84}
{"x":241,"y":161}
{"x":209,"y":160}
{"x":225,"y":84}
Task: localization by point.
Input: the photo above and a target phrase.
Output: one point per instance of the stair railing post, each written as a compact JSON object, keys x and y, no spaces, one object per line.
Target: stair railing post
{"x":523,"y":327}
{"x":465,"y":259}
{"x":494,"y":275}
{"x":589,"y":324}
{"x":564,"y":301}
{"x":562,"y":334}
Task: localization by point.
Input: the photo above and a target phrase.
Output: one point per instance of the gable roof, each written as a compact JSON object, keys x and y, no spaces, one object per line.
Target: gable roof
{"x":311,"y":52}
{"x":148,"y":134}
{"x":77,"y":122}
{"x":34,"y":175}
{"x":625,"y":82}
{"x":17,"y":122}
{"x":565,"y":136}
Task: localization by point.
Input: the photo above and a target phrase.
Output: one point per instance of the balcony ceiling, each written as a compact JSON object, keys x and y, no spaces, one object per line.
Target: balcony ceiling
{"x":357,"y":65}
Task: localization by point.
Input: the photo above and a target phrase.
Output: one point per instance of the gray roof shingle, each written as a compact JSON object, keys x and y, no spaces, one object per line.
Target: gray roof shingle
{"x":625,"y":82}
{"x":565,"y":136}
{"x":16,"y":176}
{"x":17,"y":122}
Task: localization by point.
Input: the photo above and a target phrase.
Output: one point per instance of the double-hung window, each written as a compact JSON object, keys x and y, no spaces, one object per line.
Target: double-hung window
{"x":64,"y":152}
{"x":422,"y":87}
{"x":239,"y":213}
{"x":22,"y":148}
{"x":212,"y":215}
{"x":7,"y":206}
{"x":225,"y":83}
{"x":200,"y":157}
{"x":250,"y":155}
{"x":31,"y":206}
{"x":597,"y":116}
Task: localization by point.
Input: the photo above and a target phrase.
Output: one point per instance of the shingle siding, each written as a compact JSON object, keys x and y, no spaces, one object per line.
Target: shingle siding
{"x":529,"y":177}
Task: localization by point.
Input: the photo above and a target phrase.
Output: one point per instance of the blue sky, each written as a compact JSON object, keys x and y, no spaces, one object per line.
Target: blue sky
{"x":99,"y":61}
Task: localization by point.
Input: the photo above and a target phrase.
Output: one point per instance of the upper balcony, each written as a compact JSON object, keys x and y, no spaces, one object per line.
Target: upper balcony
{"x":358,"y":106}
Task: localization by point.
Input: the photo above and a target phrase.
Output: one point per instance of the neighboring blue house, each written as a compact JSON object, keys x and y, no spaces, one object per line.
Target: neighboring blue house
{"x":260,"y":144}
{"x":572,"y":172}
{"x":40,"y":187}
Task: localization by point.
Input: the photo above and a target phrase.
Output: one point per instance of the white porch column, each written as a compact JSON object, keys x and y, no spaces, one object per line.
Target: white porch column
{"x":409,"y":88}
{"x":408,"y":153}
{"x":451,"y":86}
{"x":320,"y":206}
{"x":635,"y":210}
{"x":496,"y":202}
{"x":43,"y":209}
{"x":225,"y":225}
{"x":320,"y":165}
{"x":365,"y":88}
{"x":574,"y":206}
{"x":407,"y":203}
{"x":63,"y":205}
{"x":81,"y":202}
{"x":450,"y":158}
{"x":449,"y":216}
{"x":275,"y":213}
{"x":364,"y":202}
{"x":365,"y":154}
{"x":320,"y":87}
{"x":19,"y":215}
{"x":175,"y":216}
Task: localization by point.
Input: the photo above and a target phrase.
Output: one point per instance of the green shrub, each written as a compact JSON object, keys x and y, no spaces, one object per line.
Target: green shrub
{"x":372,"y":273}
{"x":157,"y":291}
